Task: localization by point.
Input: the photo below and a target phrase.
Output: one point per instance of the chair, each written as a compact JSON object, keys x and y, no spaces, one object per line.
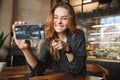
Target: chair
{"x":95,"y":68}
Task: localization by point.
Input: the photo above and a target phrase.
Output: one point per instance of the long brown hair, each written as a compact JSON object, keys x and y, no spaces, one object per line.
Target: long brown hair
{"x":50,"y":33}
{"x":49,"y":30}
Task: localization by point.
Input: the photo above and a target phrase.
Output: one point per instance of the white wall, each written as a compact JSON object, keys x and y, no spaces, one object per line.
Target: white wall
{"x":5,"y":23}
{"x":32,"y":11}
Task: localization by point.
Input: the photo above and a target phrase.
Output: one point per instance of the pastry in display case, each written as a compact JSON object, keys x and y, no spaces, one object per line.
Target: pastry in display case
{"x":106,"y":39}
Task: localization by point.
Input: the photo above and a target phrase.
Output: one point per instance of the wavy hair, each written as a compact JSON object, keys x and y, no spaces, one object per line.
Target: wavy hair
{"x":50,"y":33}
{"x":49,"y":30}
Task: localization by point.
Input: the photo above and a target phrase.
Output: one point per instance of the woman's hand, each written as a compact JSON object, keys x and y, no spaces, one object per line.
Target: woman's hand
{"x":22,"y":44}
{"x":59,"y":44}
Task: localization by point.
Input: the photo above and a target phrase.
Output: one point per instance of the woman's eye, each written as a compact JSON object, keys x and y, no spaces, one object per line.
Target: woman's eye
{"x":65,"y":18}
{"x":55,"y":17}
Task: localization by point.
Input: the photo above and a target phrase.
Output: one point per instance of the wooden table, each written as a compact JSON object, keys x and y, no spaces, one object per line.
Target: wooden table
{"x":15,"y":73}
{"x":23,"y":73}
{"x":64,"y":76}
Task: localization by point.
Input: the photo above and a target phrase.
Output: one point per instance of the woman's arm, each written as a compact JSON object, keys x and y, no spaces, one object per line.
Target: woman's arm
{"x":30,"y":57}
{"x":79,"y":45}
{"x":78,"y":49}
{"x":37,"y":65}
{"x":43,"y":60}
{"x":24,"y":45}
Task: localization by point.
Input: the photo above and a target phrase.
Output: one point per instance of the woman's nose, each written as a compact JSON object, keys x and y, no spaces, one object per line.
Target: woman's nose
{"x":59,"y":20}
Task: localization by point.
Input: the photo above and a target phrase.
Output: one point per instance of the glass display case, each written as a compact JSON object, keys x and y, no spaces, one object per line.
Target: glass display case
{"x":104,"y":39}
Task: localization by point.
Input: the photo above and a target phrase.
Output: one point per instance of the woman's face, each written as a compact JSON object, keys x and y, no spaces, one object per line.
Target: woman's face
{"x":60,"y":19}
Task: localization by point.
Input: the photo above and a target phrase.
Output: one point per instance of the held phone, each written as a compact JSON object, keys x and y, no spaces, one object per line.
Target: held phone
{"x":30,"y":31}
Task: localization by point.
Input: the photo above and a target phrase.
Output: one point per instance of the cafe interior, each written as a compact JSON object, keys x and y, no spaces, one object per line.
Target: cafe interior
{"x":99,"y":19}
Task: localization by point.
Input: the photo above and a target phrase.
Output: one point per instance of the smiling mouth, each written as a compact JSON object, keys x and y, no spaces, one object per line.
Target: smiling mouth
{"x":59,"y":25}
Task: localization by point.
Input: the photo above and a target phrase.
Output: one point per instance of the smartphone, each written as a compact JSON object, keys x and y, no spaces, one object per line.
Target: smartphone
{"x":30,"y":31}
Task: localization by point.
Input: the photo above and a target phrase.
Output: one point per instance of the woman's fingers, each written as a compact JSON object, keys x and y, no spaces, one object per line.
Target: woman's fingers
{"x":13,"y":30}
{"x":21,"y":22}
{"x":13,"y":27}
{"x":22,"y":44}
{"x":58,"y":44}
{"x":54,"y":42}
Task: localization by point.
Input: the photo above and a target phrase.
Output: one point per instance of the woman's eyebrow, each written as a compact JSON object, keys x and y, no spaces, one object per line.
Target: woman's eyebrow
{"x":62,"y":16}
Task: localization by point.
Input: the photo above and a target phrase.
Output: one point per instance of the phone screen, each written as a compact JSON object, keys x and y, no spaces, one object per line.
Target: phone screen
{"x":30,"y":31}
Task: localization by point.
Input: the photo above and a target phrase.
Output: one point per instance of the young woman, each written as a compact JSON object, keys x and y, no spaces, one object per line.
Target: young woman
{"x":64,"y":47}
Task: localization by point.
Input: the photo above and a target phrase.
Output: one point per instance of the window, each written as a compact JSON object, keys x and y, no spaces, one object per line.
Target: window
{"x":87,"y":1}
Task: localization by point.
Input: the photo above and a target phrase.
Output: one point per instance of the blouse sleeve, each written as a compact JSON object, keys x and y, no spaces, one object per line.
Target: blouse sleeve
{"x":78,"y":46}
{"x":43,"y":60}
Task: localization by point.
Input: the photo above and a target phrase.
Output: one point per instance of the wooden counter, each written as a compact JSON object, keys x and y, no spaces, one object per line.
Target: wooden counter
{"x":104,"y":60}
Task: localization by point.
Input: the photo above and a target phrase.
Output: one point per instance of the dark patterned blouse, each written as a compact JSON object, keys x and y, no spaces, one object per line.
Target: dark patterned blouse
{"x":77,"y":66}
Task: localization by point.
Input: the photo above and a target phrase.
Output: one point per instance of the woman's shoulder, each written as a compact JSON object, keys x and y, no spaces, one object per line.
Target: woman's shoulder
{"x":79,"y":32}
